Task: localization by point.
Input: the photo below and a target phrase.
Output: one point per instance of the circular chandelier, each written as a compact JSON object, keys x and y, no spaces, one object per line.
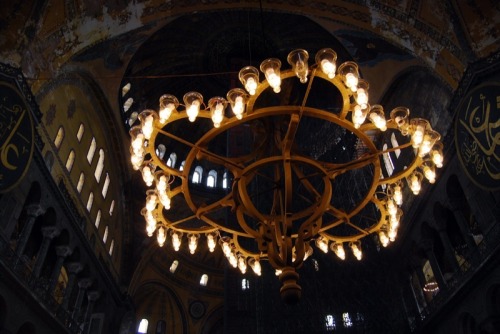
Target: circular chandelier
{"x":309,"y":173}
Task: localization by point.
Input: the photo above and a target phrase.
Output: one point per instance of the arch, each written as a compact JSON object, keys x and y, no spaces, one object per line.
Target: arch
{"x":91,"y":151}
{"x":81,"y":180}
{"x":204,"y":280}
{"x":111,"y":207}
{"x":59,"y":137}
{"x":70,"y":161}
{"x":172,"y":159}
{"x":181,"y":167}
{"x":197,"y":175}
{"x":225,"y":180}
{"x":143,"y":326}
{"x":161,"y":327}
{"x":467,"y":324}
{"x":212,"y":179}
{"x":79,"y":134}
{"x":111,"y":247}
{"x":27,"y":328}
{"x":105,"y":236}
{"x":100,"y":166}
{"x":90,"y":201}
{"x":105,"y":186}
{"x":98,"y":219}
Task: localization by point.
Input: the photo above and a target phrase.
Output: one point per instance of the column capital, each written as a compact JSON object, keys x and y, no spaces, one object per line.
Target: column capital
{"x":85,"y":283}
{"x":34,"y":210}
{"x":63,"y":251}
{"x":74,"y":267}
{"x":50,"y":232}
{"x":93,"y":295}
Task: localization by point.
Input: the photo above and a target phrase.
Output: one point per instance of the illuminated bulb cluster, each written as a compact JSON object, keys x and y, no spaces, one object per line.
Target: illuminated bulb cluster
{"x":425,"y":142}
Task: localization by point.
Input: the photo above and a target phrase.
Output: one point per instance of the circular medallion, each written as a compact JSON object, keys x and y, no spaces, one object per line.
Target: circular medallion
{"x":197,"y":309}
{"x":16,"y":137}
{"x":477,"y":135}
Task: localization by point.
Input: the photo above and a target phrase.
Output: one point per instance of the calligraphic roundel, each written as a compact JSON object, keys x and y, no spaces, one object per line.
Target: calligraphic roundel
{"x":477,"y":135}
{"x":16,"y":136}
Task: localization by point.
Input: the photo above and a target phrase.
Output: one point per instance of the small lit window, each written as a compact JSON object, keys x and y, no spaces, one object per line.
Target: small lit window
{"x":100,"y":166}
{"x":346,"y":319}
{"x":105,"y":236}
{"x":173,"y":266}
{"x":105,"y":186}
{"x":111,"y":247}
{"x":80,"y":132}
{"x":212,"y":179}
{"x":81,"y":180}
{"x":132,"y":118}
{"x":315,"y":264}
{"x":59,"y":137}
{"x":98,"y":219}
{"x":90,"y":201}
{"x":245,"y":284}
{"x":389,"y":166}
{"x":70,"y":161}
{"x":225,"y":181}
{"x":172,"y":159}
{"x":395,"y":143}
{"x":127,"y":104}
{"x":330,"y":322}
{"x":111,"y":207}
{"x":181,"y":167}
{"x":91,"y":151}
{"x":126,"y":88}
{"x":143,"y":326}
{"x":160,"y":151}
{"x":198,"y":171}
{"x":204,"y":280}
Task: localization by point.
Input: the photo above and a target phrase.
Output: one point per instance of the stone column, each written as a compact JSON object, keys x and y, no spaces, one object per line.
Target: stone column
{"x":33,"y":211}
{"x":83,"y":285}
{"x":427,"y":246}
{"x":92,"y":297}
{"x":49,"y":233}
{"x":62,"y":252}
{"x":73,"y":270}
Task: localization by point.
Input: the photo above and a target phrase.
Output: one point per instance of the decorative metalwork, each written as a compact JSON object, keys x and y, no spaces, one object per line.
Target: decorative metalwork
{"x":309,"y":171}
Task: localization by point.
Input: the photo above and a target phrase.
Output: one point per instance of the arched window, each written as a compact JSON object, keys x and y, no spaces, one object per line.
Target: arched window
{"x":105,"y":186}
{"x":105,"y":236}
{"x":90,"y":201}
{"x":100,"y":166}
{"x":81,"y":180}
{"x":212,"y":178}
{"x":204,"y":280}
{"x":80,"y":132}
{"x":172,"y":159}
{"x":111,"y":207}
{"x":111,"y":247}
{"x":126,"y":88}
{"x":225,"y":182}
{"x":330,"y":322}
{"x":49,"y":160}
{"x":389,"y":166}
{"x":59,"y":137}
{"x":98,"y":219}
{"x":395,"y":143}
{"x":346,"y":319}
{"x":91,"y":151}
{"x":173,"y":266}
{"x":161,"y":327}
{"x":143,"y":326}
{"x":132,"y":118}
{"x":197,"y":175}
{"x":70,"y":161}
{"x":127,"y":104}
{"x":181,"y":167}
{"x":245,"y":284}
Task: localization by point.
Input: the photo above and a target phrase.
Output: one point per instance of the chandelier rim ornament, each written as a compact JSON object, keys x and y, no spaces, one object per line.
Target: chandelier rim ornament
{"x":301,"y":208}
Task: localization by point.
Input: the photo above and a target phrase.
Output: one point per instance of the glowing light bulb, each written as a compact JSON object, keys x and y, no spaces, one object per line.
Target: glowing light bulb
{"x":239,"y":107}
{"x":218,"y":114}
{"x":384,"y":240}
{"x":398,"y":195}
{"x":151,"y":202}
{"x":322,"y":244}
{"x":147,"y":126}
{"x":161,"y":237}
{"x":251,"y":86}
{"x":193,"y":110}
{"x":415,"y":184}
{"x":338,"y":249}
{"x":166,"y":112}
{"x":255,"y":265}
{"x":176,"y":241}
{"x":328,"y":68}
{"x":430,"y":174}
{"x":437,"y":158}
{"x":273,"y":79}
{"x":193,"y":243}
{"x":211,"y":242}
{"x":351,"y":81}
{"x":242,"y":264}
